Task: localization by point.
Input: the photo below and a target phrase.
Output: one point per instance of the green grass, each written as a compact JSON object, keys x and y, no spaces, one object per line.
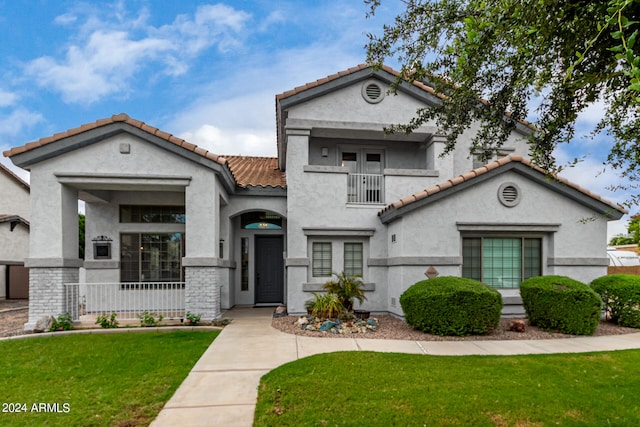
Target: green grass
{"x":106,"y":380}
{"x":377,"y":389}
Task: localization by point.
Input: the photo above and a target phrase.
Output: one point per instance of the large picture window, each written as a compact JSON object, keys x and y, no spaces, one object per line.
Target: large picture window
{"x":501,"y":262}
{"x":151,"y":257}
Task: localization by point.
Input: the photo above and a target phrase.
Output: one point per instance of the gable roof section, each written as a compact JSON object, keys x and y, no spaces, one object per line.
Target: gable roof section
{"x":241,"y":171}
{"x":13,"y":176}
{"x":361,"y":72}
{"x":512,"y":162}
{"x":256,"y":171}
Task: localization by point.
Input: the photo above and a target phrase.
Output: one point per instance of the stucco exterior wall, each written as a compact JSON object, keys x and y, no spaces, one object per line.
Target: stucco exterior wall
{"x":15,"y":197}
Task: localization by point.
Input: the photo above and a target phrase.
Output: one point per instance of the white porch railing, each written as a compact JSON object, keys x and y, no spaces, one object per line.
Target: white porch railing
{"x":364,"y":188}
{"x":127,"y":300}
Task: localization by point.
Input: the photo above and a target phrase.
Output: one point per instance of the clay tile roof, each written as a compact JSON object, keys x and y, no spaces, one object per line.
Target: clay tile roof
{"x":469,"y":176}
{"x":256,"y":171}
{"x":117,"y":118}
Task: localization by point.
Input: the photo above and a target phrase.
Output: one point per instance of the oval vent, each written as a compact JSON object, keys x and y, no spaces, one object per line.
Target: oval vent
{"x":509,"y":194}
{"x":372,"y":92}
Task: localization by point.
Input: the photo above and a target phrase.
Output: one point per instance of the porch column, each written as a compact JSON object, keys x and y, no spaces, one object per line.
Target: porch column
{"x":53,"y":254}
{"x":201,"y":261}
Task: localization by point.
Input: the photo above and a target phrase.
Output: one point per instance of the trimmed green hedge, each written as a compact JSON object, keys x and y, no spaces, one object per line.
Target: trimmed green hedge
{"x":452,"y":306}
{"x":559,"y":303}
{"x":620,"y":294}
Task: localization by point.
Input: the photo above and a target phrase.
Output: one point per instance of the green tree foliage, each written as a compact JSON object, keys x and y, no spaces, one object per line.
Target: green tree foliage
{"x":633,"y":234}
{"x":516,"y":55}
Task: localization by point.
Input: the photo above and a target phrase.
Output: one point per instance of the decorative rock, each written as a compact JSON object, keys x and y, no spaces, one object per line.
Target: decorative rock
{"x":302,"y":321}
{"x":43,"y":324}
{"x":281,"y":311}
{"x":517,"y":326}
{"x":327,"y":325}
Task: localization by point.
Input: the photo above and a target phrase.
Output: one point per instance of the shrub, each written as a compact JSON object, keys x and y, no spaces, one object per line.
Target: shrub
{"x":191,"y":319}
{"x":452,"y":306}
{"x":347,"y":288}
{"x":558,"y":303}
{"x":148,"y":319}
{"x":62,"y":323}
{"x":326,"y":305}
{"x":620,"y":295}
{"x":107,"y":322}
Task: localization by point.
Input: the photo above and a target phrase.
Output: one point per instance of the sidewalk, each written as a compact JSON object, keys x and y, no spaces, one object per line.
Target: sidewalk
{"x":222,"y":388}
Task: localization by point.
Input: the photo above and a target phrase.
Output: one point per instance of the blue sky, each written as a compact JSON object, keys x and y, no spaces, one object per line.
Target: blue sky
{"x":206,"y":72}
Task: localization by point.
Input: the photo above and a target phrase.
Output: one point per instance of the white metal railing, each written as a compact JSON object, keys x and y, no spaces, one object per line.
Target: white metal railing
{"x":127,"y":300}
{"x":365,"y":188}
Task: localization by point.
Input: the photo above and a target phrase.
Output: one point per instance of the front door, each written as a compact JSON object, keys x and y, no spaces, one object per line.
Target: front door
{"x":269,"y":270}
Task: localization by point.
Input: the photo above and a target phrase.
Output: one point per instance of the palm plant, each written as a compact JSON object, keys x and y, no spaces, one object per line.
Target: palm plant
{"x":347,"y":288}
{"x":325,"y":305}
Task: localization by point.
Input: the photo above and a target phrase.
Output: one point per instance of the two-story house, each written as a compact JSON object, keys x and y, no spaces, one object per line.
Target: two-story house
{"x":342,"y":195}
{"x":14,"y":235}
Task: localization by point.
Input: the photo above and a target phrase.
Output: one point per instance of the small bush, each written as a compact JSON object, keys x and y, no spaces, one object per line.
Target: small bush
{"x":148,"y":319}
{"x":452,"y":306}
{"x":62,"y":323}
{"x":558,"y":303}
{"x":191,"y":319}
{"x":107,"y":322}
{"x":326,"y":305}
{"x":620,"y":295}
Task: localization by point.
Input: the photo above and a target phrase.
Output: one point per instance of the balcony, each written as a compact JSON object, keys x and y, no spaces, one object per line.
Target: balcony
{"x":365,"y":189}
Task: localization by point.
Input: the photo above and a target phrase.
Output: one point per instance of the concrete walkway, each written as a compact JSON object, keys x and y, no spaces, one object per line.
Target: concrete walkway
{"x":222,"y":388}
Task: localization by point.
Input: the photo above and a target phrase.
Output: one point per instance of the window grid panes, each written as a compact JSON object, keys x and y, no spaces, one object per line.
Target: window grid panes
{"x":151,"y":257}
{"x":353,"y":259}
{"x":152,"y":214}
{"x":501,"y":262}
{"x":321,"y":259}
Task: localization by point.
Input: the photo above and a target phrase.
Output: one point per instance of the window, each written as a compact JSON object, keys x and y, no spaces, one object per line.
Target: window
{"x":501,"y":262}
{"x":151,"y":257}
{"x":244,"y":264}
{"x":152,"y":214}
{"x":353,"y":259}
{"x":321,"y":259}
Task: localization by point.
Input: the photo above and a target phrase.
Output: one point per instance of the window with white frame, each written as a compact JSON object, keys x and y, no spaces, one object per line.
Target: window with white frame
{"x":501,"y":262}
{"x":321,"y":265}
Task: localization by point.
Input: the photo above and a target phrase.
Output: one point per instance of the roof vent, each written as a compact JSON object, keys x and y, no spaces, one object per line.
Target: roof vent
{"x":509,"y":194}
{"x":372,"y":92}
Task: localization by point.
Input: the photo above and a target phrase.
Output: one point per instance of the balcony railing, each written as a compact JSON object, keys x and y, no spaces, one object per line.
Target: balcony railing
{"x":365,"y":189}
{"x":127,"y":300}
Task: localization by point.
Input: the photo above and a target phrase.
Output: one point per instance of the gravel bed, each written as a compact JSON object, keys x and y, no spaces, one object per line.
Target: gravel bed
{"x":13,"y":316}
{"x":393,"y":328}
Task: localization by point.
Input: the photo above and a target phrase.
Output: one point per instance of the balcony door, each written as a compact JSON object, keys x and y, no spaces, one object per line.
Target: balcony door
{"x":365,"y":168}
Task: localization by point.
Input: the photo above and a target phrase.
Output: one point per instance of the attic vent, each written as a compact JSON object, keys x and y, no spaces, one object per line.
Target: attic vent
{"x":372,"y":92}
{"x":509,"y":194}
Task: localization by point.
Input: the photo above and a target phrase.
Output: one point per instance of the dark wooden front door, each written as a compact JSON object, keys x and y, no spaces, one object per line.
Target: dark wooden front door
{"x":269,"y":270}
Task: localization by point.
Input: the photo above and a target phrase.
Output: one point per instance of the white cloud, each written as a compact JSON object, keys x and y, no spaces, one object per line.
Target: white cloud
{"x":7,"y":98}
{"x":117,"y":48}
{"x":18,"y":120}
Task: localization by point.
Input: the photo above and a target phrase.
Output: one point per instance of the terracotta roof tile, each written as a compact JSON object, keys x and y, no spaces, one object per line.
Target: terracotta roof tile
{"x":256,"y":171}
{"x":124,"y":118}
{"x":468,"y":176}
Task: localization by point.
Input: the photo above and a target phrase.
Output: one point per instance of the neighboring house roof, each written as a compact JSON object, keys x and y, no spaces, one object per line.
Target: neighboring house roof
{"x":15,"y":177}
{"x":247,"y":171}
{"x":256,"y":171}
{"x":512,"y":162}
{"x":14,"y":220}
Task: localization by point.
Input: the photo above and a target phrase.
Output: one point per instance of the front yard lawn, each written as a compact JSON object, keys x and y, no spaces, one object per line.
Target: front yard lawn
{"x":382,"y":389}
{"x":121,"y":379}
